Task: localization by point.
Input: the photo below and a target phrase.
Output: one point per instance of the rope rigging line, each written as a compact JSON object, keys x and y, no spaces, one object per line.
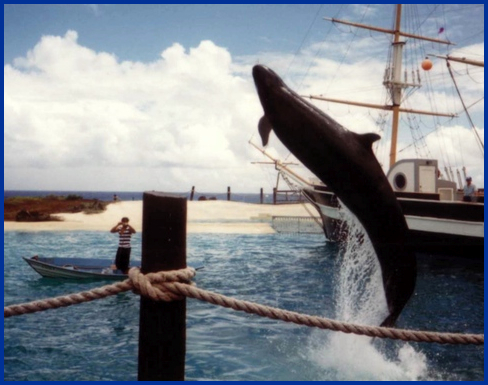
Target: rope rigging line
{"x":297,"y":189}
{"x":301,"y":45}
{"x":176,"y":284}
{"x":479,"y":141}
{"x":346,"y":53}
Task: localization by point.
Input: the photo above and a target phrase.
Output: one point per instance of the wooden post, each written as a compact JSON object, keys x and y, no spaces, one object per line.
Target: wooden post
{"x":192,"y":192}
{"x":275,"y":195}
{"x":162,"y":327}
{"x":228,"y":193}
{"x":261,"y":196}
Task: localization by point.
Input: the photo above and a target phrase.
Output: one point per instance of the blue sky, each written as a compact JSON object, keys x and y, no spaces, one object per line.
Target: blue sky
{"x":160,"y":97}
{"x":140,"y":32}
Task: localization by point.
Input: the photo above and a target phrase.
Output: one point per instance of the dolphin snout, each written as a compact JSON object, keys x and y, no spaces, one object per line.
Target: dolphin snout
{"x":259,"y":70}
{"x":264,"y":76}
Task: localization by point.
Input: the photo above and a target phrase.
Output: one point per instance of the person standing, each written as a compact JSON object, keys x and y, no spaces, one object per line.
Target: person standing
{"x":125,"y":231}
{"x":469,"y":191}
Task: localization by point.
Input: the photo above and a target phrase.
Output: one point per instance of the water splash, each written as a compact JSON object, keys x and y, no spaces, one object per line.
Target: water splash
{"x":345,"y":357}
{"x":360,"y":298}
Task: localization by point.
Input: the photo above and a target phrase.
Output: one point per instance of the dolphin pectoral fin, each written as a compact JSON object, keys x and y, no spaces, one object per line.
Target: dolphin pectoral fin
{"x":264,"y":128}
{"x":367,"y":140}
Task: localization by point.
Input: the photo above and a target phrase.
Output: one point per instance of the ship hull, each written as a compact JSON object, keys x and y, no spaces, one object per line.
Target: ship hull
{"x":434,"y":227}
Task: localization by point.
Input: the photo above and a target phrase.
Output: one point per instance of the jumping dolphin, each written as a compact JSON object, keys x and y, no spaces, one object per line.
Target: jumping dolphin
{"x":345,"y":162}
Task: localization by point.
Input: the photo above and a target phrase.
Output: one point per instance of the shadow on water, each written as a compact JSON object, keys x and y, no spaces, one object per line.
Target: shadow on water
{"x":441,"y":264}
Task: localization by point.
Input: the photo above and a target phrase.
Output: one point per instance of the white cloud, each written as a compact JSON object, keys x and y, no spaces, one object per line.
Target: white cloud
{"x":84,"y":120}
{"x":186,"y":116}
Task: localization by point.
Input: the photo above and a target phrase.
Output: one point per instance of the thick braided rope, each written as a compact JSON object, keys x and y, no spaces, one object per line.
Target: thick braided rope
{"x":325,"y":323}
{"x":154,"y":285}
{"x":138,"y":282}
{"x":168,"y":286}
{"x":68,"y":300}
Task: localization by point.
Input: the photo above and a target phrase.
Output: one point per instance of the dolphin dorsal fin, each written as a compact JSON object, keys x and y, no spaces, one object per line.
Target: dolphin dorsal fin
{"x":368,"y":139}
{"x":264,"y":128}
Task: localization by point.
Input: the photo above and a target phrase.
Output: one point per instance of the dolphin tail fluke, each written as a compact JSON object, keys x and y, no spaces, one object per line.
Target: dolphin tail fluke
{"x":389,"y":321}
{"x":264,"y":128}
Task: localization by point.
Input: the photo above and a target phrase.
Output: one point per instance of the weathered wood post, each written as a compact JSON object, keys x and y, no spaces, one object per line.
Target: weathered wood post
{"x":275,"y":195}
{"x":192,"y":192}
{"x":228,"y":193}
{"x":261,"y":196}
{"x":162,"y":327}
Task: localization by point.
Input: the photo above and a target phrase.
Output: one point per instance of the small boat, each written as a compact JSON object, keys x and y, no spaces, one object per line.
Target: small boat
{"x":75,"y":268}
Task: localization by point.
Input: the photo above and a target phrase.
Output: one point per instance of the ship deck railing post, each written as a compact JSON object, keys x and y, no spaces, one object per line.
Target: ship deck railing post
{"x":162,"y":327}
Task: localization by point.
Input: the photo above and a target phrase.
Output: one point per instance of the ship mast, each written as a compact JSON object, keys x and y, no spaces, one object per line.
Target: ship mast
{"x":396,"y":86}
{"x":475,"y":63}
{"x":282,"y":166}
{"x":394,"y":83}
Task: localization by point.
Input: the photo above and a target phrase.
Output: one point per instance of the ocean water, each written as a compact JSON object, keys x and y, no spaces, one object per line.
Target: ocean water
{"x":137,"y":195}
{"x":303,"y":273}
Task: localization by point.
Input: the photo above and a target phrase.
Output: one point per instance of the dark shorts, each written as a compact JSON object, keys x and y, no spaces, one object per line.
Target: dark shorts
{"x":122,"y":259}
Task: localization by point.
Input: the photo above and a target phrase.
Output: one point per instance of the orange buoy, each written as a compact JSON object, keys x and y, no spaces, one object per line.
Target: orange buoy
{"x":427,"y":64}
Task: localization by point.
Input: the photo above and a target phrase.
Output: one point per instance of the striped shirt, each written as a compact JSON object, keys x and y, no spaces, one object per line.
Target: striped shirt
{"x":124,"y":238}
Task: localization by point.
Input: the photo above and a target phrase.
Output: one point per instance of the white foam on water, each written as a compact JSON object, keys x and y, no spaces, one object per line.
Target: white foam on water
{"x":349,"y":357}
{"x":360,"y":299}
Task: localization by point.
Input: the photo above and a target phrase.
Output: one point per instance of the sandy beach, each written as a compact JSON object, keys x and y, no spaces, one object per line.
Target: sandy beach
{"x":203,"y":217}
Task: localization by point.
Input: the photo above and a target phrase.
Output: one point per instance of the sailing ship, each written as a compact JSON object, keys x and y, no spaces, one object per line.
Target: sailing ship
{"x":439,"y":221}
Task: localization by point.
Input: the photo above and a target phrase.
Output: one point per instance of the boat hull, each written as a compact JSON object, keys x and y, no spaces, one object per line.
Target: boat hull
{"x":435,"y":227}
{"x":75,"y":268}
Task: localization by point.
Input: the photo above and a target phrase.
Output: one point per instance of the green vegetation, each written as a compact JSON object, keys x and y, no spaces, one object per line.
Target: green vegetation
{"x":74,"y":197}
